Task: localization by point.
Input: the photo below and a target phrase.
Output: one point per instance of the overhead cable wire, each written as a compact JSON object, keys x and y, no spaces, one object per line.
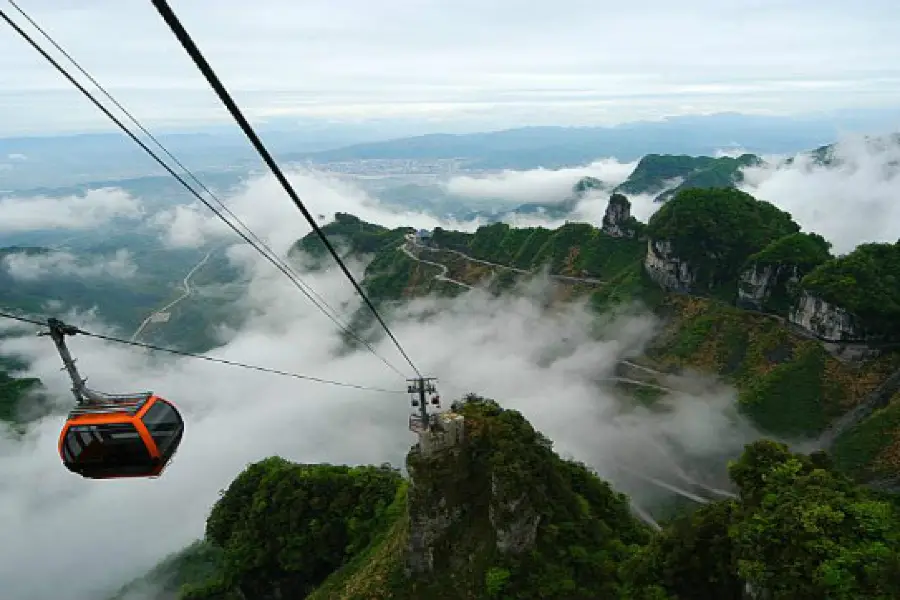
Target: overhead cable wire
{"x":159,"y":144}
{"x":194,"y":52}
{"x":203,"y":357}
{"x":281,"y":267}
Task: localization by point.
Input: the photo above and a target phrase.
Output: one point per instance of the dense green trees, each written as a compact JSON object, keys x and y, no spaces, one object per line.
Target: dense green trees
{"x":865,"y":282}
{"x":286,"y":527}
{"x":717,"y":230}
{"x":12,"y":391}
{"x":799,"y":531}
{"x":362,"y":237}
{"x":803,"y":250}
{"x":574,"y":249}
{"x":786,"y":260}
{"x":654,"y":171}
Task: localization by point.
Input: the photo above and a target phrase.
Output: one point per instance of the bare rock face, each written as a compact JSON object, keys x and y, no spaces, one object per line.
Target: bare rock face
{"x":825,"y":320}
{"x":617,"y":217}
{"x":515,"y":523}
{"x":453,"y":497}
{"x":437,"y":475}
{"x":757,"y":284}
{"x":666,"y":269}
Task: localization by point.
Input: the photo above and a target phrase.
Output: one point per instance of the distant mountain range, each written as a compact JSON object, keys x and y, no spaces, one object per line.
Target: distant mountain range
{"x":555,"y":147}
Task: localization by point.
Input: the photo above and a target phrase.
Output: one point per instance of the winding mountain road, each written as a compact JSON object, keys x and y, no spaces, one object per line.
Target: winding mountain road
{"x":442,"y":276}
{"x":590,"y":280}
{"x":188,"y":291}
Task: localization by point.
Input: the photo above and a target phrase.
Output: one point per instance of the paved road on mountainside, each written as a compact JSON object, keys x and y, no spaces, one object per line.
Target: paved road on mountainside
{"x":589,"y":280}
{"x":188,"y":291}
{"x":442,"y":276}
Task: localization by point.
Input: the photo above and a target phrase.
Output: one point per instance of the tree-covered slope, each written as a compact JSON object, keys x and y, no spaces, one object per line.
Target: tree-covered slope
{"x":282,"y":528}
{"x":787,"y":383}
{"x":798,"y":530}
{"x":358,"y":236}
{"x":770,"y":279}
{"x":665,"y":175}
{"x":500,"y":515}
{"x":715,"y":231}
{"x":576,"y":249}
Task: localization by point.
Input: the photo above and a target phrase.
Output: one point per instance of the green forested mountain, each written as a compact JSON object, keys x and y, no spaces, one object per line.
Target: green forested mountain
{"x":801,"y":526}
{"x":500,"y":515}
{"x":665,"y":175}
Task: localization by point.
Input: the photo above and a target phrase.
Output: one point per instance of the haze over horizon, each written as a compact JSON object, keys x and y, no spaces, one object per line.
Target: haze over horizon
{"x":459,"y":64}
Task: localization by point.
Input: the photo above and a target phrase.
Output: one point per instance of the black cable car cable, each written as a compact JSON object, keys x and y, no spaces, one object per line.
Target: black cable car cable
{"x":162,"y":147}
{"x":294,"y":279}
{"x":202,"y":357}
{"x":194,"y":52}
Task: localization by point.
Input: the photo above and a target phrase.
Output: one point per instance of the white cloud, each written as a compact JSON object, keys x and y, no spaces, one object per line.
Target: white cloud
{"x":544,"y":364}
{"x":853,"y":202}
{"x":30,"y":267}
{"x":537,"y":185}
{"x":263,"y":206}
{"x":16,"y":156}
{"x":93,"y":209}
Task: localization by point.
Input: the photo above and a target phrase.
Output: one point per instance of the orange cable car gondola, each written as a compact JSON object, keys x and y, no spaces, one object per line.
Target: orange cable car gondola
{"x":115,"y":436}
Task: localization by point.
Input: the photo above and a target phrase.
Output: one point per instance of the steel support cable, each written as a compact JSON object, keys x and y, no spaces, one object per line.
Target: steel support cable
{"x":202,"y":357}
{"x":194,"y":52}
{"x":160,"y":145}
{"x":292,"y":277}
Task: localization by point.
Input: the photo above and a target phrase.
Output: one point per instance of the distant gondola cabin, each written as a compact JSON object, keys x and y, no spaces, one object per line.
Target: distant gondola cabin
{"x":124,"y":436}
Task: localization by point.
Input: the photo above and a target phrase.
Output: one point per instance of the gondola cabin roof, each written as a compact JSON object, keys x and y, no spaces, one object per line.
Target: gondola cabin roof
{"x":127,"y":405}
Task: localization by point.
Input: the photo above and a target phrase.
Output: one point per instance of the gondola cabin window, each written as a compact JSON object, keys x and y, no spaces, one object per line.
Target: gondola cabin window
{"x":114,"y":447}
{"x":164,"y":425}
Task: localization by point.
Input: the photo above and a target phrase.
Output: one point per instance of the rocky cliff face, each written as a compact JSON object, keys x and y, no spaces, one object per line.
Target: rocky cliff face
{"x":758,"y":284}
{"x":666,"y":269}
{"x":617,"y":220}
{"x":825,"y":320}
{"x":448,"y":496}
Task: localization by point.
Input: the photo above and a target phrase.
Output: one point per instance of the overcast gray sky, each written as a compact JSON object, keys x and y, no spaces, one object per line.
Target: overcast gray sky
{"x":505,"y":61}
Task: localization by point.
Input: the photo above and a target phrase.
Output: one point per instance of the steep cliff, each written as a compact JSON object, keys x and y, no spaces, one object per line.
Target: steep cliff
{"x":770,"y":278}
{"x":498,"y":515}
{"x":855,"y":297}
{"x":617,"y":221}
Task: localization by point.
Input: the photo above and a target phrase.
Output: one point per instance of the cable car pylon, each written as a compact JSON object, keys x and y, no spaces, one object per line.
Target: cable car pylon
{"x":423,"y":392}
